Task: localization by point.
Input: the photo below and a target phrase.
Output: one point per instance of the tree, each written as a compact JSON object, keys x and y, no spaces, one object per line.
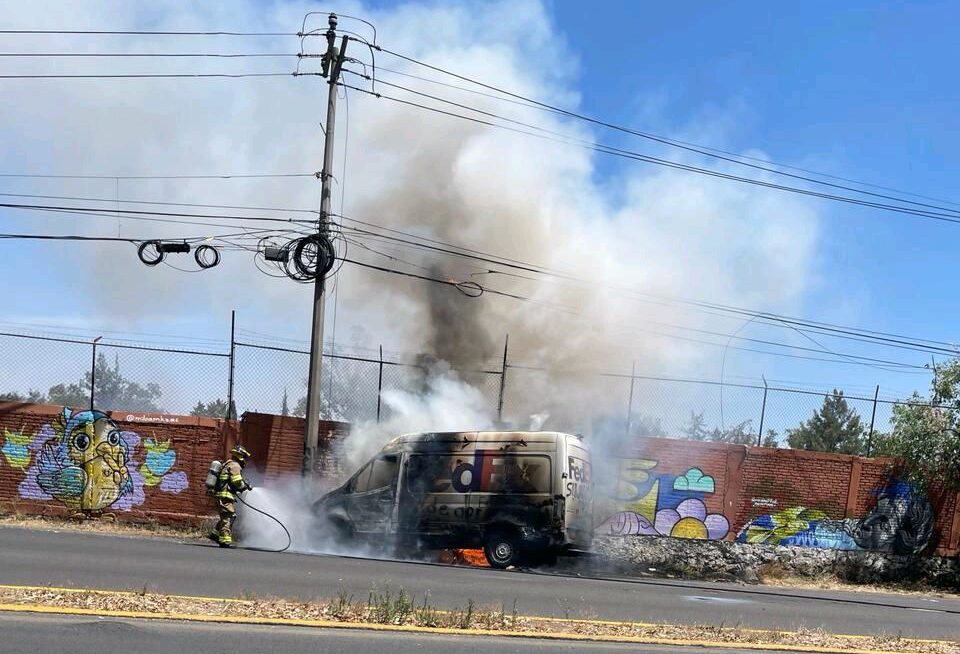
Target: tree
{"x":213,"y":409}
{"x":834,"y":428}
{"x":925,"y":435}
{"x":739,"y":434}
{"x":32,"y":397}
{"x":114,"y":391}
{"x":285,"y":407}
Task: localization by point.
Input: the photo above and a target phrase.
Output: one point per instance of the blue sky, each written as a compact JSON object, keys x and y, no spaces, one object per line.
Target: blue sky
{"x":859,"y":89}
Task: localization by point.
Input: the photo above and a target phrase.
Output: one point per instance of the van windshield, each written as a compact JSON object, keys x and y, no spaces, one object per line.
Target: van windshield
{"x":379,"y":473}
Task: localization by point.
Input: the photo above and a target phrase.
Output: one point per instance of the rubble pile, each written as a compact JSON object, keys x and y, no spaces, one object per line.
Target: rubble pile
{"x":723,"y":560}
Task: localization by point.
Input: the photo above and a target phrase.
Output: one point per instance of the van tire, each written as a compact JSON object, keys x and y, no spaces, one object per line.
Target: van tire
{"x":502,"y":549}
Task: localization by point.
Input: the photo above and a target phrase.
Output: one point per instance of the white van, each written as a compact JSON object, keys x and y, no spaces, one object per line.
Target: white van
{"x":521,"y":496}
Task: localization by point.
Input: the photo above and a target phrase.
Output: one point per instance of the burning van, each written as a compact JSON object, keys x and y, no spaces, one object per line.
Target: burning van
{"x":521,"y":496}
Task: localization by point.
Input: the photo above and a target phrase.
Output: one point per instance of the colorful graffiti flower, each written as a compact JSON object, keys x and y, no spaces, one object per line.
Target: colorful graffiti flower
{"x":16,"y":448}
{"x":689,"y":520}
{"x":158,"y":462}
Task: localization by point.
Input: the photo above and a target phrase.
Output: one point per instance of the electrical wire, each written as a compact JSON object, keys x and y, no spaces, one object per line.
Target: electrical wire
{"x":147,"y":55}
{"x":143,"y":75}
{"x":133,"y":212}
{"x":766,"y":317}
{"x":703,"y":151}
{"x":544,"y":134}
{"x":147,"y":32}
{"x":132,"y":177}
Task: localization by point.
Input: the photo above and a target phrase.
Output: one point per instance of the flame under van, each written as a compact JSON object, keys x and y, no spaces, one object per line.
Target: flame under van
{"x":521,"y":496}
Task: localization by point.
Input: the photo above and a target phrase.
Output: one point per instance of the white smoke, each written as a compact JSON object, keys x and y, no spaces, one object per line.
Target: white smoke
{"x":649,"y":229}
{"x":446,"y":404}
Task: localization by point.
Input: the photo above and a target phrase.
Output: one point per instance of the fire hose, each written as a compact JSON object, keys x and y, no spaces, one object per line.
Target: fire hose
{"x":282,"y":526}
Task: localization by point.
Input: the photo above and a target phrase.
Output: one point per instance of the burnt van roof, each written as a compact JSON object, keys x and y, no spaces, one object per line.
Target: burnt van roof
{"x":446,"y":439}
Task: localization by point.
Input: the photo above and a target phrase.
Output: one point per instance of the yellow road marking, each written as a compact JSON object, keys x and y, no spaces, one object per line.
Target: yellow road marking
{"x":37,"y":608}
{"x":448,"y":631}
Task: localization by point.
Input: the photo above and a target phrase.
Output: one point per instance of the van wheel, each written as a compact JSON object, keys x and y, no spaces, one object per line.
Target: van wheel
{"x":502,"y":549}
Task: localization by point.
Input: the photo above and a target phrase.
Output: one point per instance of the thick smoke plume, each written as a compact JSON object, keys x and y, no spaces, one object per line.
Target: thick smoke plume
{"x":634,"y":226}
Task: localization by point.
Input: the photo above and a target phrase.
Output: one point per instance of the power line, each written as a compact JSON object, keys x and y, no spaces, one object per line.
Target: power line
{"x":422,"y":242}
{"x":485,"y":290}
{"x":820,"y":349}
{"x":148,"y":55}
{"x":868,"y":336}
{"x":709,"y":152}
{"x":158,"y":203}
{"x":132,"y":177}
{"x":147,"y":76}
{"x":148,"y":32}
{"x":628,"y":154}
{"x":108,"y":211}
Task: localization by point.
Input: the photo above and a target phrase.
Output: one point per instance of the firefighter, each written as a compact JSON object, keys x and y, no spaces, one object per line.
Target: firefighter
{"x":230,"y":481}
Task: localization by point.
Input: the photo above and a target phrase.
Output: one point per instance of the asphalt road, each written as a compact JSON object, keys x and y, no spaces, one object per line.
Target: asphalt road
{"x":26,"y":633}
{"x":36,"y":557}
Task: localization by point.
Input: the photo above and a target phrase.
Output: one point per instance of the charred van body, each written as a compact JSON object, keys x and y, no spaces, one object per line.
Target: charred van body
{"x":518,"y":495}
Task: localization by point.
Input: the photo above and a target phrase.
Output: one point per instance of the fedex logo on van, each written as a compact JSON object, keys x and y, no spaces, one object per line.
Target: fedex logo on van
{"x":476,"y":476}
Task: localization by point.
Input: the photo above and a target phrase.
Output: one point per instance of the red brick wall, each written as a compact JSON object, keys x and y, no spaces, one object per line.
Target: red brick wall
{"x":167,"y":459}
{"x":752,"y":483}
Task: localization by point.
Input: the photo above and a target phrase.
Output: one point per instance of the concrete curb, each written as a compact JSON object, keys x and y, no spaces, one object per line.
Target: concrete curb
{"x":333,"y":624}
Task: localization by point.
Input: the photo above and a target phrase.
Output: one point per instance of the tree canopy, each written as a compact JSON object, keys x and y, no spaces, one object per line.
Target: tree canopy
{"x":835,"y":427}
{"x":740,"y":434}
{"x":212,"y":409}
{"x":925,"y":434}
{"x":114,"y":391}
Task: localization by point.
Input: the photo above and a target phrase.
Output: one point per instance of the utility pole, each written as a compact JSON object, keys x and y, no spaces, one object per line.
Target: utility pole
{"x":331,"y":63}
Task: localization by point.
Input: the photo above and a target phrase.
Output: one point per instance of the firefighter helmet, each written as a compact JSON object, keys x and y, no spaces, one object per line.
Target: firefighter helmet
{"x":240,"y":453}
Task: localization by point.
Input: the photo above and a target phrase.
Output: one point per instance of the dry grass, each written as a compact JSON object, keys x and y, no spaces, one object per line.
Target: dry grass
{"x":102,"y":525}
{"x":772,"y":574}
{"x":386,"y":607}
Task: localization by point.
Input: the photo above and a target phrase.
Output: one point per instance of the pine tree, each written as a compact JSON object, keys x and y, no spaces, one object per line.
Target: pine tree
{"x":834,"y":428}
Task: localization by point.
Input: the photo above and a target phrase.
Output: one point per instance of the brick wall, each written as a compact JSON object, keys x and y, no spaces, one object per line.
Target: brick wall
{"x":665,"y":488}
{"x":164,"y":461}
{"x":684,"y":488}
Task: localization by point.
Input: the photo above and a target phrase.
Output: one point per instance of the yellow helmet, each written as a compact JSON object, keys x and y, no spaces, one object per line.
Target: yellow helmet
{"x":239,"y":452}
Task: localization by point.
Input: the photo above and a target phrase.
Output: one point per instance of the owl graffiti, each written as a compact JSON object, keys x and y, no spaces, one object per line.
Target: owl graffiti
{"x":84,"y":465}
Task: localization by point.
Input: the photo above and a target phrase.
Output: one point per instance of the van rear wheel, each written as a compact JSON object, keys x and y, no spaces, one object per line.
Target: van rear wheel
{"x":502,"y":549}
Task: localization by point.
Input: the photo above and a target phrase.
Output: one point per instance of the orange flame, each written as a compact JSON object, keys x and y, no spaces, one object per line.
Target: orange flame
{"x":474,"y":558}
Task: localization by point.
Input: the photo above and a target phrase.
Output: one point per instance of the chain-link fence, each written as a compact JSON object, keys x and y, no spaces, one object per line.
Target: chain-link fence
{"x":246,"y":376}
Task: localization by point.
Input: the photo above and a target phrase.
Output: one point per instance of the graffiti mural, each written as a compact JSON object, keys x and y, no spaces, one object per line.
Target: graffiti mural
{"x":84,"y":461}
{"x":901,"y":521}
{"x":646,"y":503}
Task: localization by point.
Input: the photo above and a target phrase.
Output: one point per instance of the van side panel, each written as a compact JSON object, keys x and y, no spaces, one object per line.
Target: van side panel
{"x":578,"y":495}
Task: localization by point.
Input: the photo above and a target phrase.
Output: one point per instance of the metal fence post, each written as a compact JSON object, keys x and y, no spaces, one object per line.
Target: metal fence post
{"x":873,"y":416}
{"x":231,"y":408}
{"x":503,"y":379}
{"x":380,"y":384}
{"x":763,"y":410}
{"x":633,"y":380}
{"x":93,"y":371}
